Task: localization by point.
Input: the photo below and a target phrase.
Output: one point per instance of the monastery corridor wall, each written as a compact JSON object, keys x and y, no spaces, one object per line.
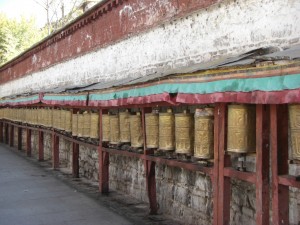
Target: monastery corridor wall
{"x":229,"y":27}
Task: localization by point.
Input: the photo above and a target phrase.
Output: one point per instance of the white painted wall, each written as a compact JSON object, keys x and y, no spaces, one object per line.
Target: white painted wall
{"x":231,"y":27}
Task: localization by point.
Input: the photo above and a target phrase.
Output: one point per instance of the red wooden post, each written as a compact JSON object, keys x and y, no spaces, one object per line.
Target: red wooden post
{"x":6,"y":134}
{"x":1,"y":132}
{"x":19,"y":138}
{"x":28,"y":142}
{"x":103,"y":159}
{"x":262,"y":164}
{"x":41,"y":145}
{"x":55,"y":151}
{"x":224,"y":191}
{"x":215,"y":177}
{"x":11,"y":136}
{"x":279,"y":148}
{"x":75,"y":160}
{"x":150,"y":170}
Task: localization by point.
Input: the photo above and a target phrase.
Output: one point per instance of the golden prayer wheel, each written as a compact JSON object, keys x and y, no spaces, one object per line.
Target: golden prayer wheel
{"x":68,"y":124}
{"x":294,"y":113}
{"x":124,"y":126}
{"x":166,"y":131}
{"x":114,"y":129}
{"x":94,"y":131}
{"x":241,"y":129}
{"x":74,"y":124}
{"x":151,"y":121}
{"x":80,"y":125}
{"x":50,"y":117}
{"x":62,"y":119}
{"x":86,"y":124}
{"x":184,"y":133}
{"x":56,"y":118}
{"x":105,"y":127}
{"x":204,"y":133}
{"x":136,"y":131}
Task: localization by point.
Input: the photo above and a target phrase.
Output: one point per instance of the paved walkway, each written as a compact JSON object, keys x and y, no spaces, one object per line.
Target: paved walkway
{"x":30,"y":195}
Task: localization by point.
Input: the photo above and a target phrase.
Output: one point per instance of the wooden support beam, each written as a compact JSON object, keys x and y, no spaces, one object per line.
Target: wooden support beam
{"x":262,"y":164}
{"x":151,"y":185}
{"x":279,"y":154}
{"x":19,"y":138}
{"x":6,"y":133}
{"x":1,"y":132}
{"x":55,"y":151}
{"x":224,"y":190}
{"x":11,"y":136}
{"x":103,"y":159}
{"x":28,"y":142}
{"x":215,"y":175}
{"x":41,"y":145}
{"x":75,"y":160}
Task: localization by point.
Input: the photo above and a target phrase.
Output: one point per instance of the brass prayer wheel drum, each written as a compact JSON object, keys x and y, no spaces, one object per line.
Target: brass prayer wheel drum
{"x":166,"y":131}
{"x":105,"y":127}
{"x":62,"y":119}
{"x":94,"y":128}
{"x":136,"y":131}
{"x":75,"y":124}
{"x":204,"y":133}
{"x":124,"y":126}
{"x":114,"y":137}
{"x":68,"y":124}
{"x":86,"y":124}
{"x":294,"y":114}
{"x":152,"y":128}
{"x":184,"y":133}
{"x":80,"y":125}
{"x":241,"y":128}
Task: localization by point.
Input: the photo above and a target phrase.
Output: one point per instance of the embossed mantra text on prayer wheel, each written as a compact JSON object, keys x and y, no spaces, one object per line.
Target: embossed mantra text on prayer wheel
{"x":94,"y":131}
{"x":124,"y":126}
{"x":68,"y":125}
{"x":86,"y":124}
{"x":184,"y":133}
{"x":62,"y":119}
{"x":204,"y":133}
{"x":75,"y":124}
{"x":136,"y":133}
{"x":151,"y":121}
{"x":166,"y":131}
{"x":105,"y":127}
{"x":114,"y":129}
{"x":294,"y":113}
{"x":241,"y":128}
{"x":80,"y":125}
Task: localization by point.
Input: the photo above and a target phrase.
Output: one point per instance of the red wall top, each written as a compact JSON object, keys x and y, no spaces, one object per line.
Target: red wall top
{"x":104,"y":24}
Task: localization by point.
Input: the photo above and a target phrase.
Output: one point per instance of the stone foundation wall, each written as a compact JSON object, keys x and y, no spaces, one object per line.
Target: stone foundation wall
{"x":35,"y":144}
{"x":88,"y":163}
{"x":47,"y":146}
{"x":127,"y":175}
{"x":65,"y":153}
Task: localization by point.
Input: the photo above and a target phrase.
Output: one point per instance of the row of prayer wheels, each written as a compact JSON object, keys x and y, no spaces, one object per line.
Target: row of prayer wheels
{"x":186,"y":133}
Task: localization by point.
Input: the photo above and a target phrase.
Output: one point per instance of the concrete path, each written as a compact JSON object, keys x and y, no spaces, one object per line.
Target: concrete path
{"x":30,"y":196}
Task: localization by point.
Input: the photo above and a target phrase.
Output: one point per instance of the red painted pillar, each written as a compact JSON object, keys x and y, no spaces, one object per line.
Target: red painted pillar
{"x":103,"y":159}
{"x":55,"y":151}
{"x":215,"y":177}
{"x":224,"y":190}
{"x":1,"y":132}
{"x":11,"y":136}
{"x":41,"y":146}
{"x":6,"y":131}
{"x":262,"y":164}
{"x":149,"y":168}
{"x":279,"y":154}
{"x":28,"y":142}
{"x":75,"y":160}
{"x":19,"y":138}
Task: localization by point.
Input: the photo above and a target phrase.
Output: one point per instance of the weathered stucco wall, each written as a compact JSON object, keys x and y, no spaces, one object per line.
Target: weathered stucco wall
{"x":230,"y":27}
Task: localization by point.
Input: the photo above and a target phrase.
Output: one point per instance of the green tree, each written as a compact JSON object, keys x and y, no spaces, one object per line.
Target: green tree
{"x":16,"y":36}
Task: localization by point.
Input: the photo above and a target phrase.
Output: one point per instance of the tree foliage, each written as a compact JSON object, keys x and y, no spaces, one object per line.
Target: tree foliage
{"x":16,"y":36}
